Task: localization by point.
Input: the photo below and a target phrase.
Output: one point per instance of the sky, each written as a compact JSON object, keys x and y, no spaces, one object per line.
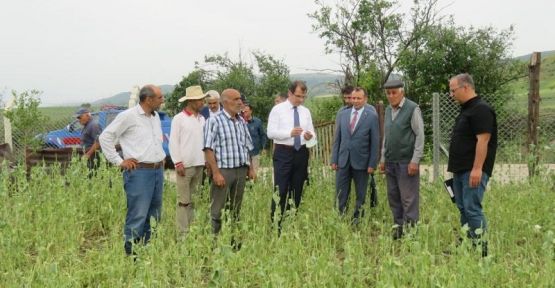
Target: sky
{"x":81,"y":51}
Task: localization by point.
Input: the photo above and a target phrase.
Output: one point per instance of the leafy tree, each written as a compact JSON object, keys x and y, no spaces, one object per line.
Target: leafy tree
{"x":26,"y":119}
{"x":196,"y":77}
{"x":371,"y":35}
{"x":274,"y":75}
{"x":220,"y":72}
{"x":448,"y":50}
{"x":232,"y":74}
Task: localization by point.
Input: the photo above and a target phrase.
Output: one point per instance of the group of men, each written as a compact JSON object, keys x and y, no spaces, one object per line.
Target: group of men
{"x":355,"y":154}
{"x":221,"y":139}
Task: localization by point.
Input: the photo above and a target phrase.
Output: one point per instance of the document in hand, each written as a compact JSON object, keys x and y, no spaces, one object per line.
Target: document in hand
{"x":449,"y":187}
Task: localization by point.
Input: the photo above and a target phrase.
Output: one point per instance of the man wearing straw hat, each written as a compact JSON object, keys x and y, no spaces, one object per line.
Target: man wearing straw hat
{"x":186,"y":143}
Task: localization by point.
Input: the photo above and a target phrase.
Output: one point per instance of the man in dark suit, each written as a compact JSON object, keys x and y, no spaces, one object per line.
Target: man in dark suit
{"x":355,"y":151}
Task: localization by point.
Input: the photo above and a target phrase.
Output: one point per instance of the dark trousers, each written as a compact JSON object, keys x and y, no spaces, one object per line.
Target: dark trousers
{"x":93,"y":163}
{"x":403,"y":193}
{"x":230,"y":196}
{"x":373,"y":192}
{"x":344,"y":176}
{"x":290,"y":173}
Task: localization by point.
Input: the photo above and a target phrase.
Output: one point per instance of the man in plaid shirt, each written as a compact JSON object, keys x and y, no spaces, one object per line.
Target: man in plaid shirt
{"x":226,"y":148}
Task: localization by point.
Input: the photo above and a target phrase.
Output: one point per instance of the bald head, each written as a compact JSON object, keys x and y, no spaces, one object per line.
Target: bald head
{"x":231,"y":100}
{"x":149,"y":91}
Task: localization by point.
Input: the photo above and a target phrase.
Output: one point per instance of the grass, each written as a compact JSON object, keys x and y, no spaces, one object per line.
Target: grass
{"x":67,"y":231}
{"x":547,"y":88}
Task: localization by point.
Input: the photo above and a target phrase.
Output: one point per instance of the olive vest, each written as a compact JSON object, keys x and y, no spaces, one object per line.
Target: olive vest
{"x":399,"y":137}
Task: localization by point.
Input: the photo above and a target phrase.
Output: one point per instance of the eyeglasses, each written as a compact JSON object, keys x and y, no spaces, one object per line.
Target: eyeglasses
{"x":453,"y":90}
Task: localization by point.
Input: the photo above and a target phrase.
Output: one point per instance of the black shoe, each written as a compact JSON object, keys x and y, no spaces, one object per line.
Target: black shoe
{"x":397,"y":233}
{"x":483,"y":245}
{"x":236,"y":245}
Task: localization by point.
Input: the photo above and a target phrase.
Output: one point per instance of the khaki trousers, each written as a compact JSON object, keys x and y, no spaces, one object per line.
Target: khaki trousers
{"x":186,"y":186}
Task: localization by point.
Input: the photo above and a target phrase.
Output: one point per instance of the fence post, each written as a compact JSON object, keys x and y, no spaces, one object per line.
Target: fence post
{"x":133,"y":97}
{"x":435,"y":128}
{"x":8,"y":125}
{"x":533,"y":113}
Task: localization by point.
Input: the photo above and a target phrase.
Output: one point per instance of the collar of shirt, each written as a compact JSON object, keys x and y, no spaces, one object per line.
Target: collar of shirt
{"x":358,"y":110}
{"x":400,"y":104}
{"x":237,"y":117}
{"x":142,"y":112}
{"x":190,"y":114}
{"x":470,"y":102}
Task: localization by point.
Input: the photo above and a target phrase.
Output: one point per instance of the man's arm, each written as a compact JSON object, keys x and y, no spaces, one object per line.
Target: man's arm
{"x":417,"y":125}
{"x":374,"y":142}
{"x":479,"y":158}
{"x":109,"y":137}
{"x":217,"y":176}
{"x":94,"y":147}
{"x":336,"y":142}
{"x":273,"y":126}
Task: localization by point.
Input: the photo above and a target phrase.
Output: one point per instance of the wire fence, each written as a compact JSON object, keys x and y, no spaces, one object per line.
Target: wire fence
{"x":512,"y":157}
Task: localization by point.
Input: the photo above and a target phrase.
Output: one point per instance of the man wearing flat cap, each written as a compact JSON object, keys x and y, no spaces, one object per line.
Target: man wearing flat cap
{"x":402,"y":150}
{"x":186,"y":144}
{"x":89,"y":138}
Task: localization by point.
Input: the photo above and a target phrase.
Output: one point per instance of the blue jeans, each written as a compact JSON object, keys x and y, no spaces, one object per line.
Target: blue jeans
{"x":469,"y":201}
{"x":143,"y":188}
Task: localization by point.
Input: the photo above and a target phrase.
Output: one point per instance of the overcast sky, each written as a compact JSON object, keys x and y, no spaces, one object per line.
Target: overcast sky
{"x":80,"y":51}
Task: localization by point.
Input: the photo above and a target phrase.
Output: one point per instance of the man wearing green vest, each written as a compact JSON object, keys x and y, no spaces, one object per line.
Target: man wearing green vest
{"x":402,"y":150}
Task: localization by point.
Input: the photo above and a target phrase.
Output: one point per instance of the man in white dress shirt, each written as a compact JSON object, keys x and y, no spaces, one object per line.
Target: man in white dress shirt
{"x":290,"y":126}
{"x":138,"y":130}
{"x":186,"y":144}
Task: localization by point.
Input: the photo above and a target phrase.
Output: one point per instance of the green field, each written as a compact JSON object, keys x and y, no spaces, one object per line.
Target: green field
{"x":66,"y":231}
{"x":547,"y":88}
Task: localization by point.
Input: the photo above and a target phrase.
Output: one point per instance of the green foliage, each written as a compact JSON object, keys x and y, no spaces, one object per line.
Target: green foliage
{"x":447,"y":50}
{"x":272,"y":78}
{"x":371,"y":34}
{"x":26,"y":119}
{"x":196,"y":77}
{"x":324,"y":108}
{"x":66,"y":230}
{"x":274,"y":75}
{"x":238,"y":75}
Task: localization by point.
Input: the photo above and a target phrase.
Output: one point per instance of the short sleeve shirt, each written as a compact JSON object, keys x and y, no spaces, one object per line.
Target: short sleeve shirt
{"x":476,"y":117}
{"x":90,"y":134}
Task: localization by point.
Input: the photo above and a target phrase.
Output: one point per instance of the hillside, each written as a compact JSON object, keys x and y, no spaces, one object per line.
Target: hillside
{"x":122,"y":98}
{"x":318,"y":84}
{"x":547,"y":85}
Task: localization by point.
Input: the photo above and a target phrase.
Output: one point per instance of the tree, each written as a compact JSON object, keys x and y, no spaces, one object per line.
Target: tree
{"x":220,"y":72}
{"x":232,"y":74}
{"x":196,"y":77}
{"x":26,"y":119}
{"x":371,"y":35}
{"x":447,"y":50}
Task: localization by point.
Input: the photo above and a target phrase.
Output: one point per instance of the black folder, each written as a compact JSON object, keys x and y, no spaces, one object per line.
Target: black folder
{"x":449,"y":187}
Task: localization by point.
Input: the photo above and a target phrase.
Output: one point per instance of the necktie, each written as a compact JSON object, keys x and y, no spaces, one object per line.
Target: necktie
{"x":354,"y":121}
{"x":296,"y":123}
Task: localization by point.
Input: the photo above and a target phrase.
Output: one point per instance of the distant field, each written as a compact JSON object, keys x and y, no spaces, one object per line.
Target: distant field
{"x":55,"y":114}
{"x":547,"y":88}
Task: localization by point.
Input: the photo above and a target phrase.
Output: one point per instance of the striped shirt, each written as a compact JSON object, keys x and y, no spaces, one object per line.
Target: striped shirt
{"x":229,"y":139}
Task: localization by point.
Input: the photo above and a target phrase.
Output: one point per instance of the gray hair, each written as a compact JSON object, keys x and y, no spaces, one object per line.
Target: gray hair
{"x":465,"y":78}
{"x":146,"y":91}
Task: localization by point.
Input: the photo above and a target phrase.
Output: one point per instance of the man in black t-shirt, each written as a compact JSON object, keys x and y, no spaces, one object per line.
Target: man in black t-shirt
{"x":471,"y":154}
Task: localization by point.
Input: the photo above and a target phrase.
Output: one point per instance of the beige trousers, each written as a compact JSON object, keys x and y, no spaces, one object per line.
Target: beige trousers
{"x":186,"y":186}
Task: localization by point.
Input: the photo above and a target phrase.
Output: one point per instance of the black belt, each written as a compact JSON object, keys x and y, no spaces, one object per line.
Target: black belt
{"x":283,"y":146}
{"x":150,"y":165}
